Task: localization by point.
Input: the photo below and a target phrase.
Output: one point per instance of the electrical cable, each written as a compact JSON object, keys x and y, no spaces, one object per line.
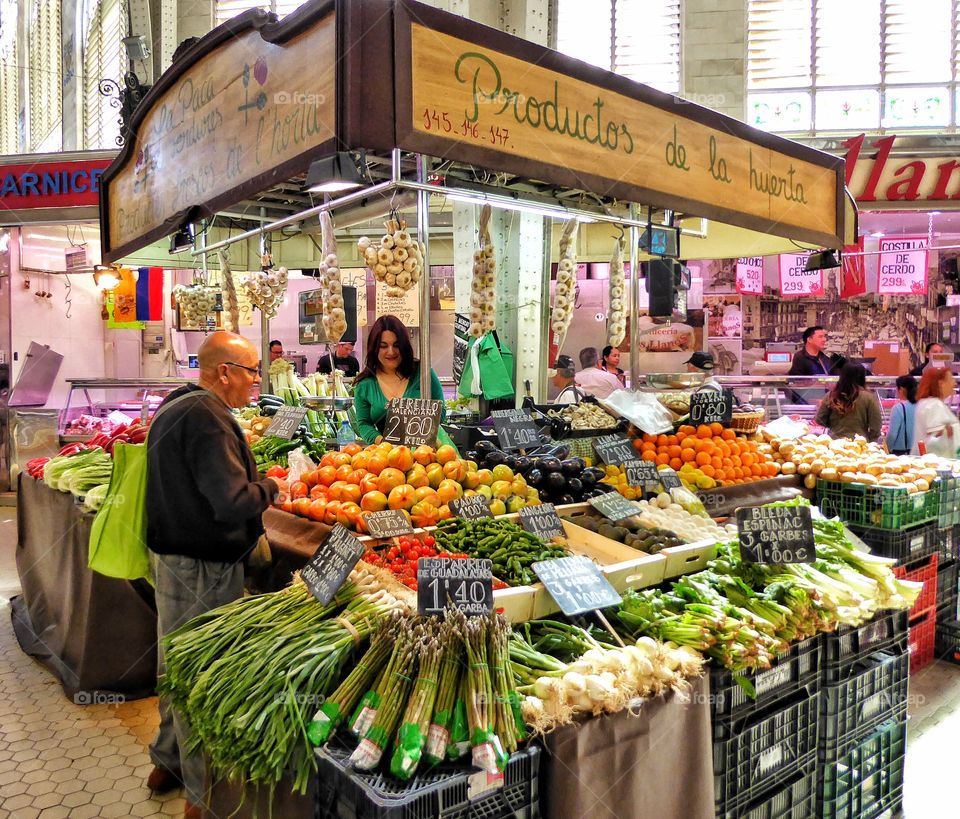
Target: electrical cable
{"x":67,"y":299}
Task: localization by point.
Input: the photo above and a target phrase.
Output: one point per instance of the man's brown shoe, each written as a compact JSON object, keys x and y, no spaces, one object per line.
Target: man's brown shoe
{"x":191,"y":811}
{"x":163,"y":781}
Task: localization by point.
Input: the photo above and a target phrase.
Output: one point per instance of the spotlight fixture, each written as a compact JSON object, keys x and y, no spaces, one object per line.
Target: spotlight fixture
{"x":823,"y":260}
{"x":338,"y":172}
{"x":106,"y":278}
{"x":182,"y":240}
{"x":136,"y":46}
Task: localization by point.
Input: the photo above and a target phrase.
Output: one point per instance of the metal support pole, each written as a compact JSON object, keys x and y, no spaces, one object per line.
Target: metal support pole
{"x":423,"y":228}
{"x":634,"y":300}
{"x":266,"y":386}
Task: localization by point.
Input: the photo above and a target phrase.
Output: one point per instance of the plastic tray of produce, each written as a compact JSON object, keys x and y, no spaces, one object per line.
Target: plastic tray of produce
{"x":751,"y":754}
{"x":869,"y":693}
{"x":923,"y":637}
{"x":877,"y":507}
{"x":867,"y":779}
{"x":848,"y":644}
{"x":794,"y":800}
{"x":922,"y":571}
{"x":449,"y":791}
{"x":904,"y":545}
{"x":796,"y":668}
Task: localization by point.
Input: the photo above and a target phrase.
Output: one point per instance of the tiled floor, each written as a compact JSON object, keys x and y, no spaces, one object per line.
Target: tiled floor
{"x":59,"y":759}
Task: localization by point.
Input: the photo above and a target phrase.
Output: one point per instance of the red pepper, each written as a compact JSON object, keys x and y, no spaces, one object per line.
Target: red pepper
{"x":72,"y":449}
{"x":138,"y":435}
{"x":122,"y":438}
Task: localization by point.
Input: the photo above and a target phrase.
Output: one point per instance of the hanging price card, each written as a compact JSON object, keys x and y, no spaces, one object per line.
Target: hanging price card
{"x":750,"y":275}
{"x":795,"y":280}
{"x":325,"y":572}
{"x":903,"y":266}
{"x":412,"y":421}
{"x":776,"y":534}
{"x":444,"y":582}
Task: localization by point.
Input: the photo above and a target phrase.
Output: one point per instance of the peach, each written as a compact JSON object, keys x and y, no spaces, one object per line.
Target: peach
{"x":389,"y":479}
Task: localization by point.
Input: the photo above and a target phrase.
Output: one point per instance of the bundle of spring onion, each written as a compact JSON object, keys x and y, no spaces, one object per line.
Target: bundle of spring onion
{"x":286,"y":384}
{"x":564,"y":670}
{"x":743,"y":614}
{"x":407,"y":691}
{"x":248,"y":675}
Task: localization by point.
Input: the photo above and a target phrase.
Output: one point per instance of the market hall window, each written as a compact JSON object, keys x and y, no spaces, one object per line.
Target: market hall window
{"x":9,"y":80}
{"x":635,"y":38}
{"x":104,"y":27}
{"x":227,"y":9}
{"x":860,"y":65}
{"x":45,"y":76}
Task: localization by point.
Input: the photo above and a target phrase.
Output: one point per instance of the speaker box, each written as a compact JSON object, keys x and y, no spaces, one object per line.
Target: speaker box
{"x":660,"y":287}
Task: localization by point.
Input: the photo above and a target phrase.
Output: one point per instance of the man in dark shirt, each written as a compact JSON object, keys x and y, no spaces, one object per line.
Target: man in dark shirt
{"x":812,"y":360}
{"x":204,"y":507}
{"x":343,"y":359}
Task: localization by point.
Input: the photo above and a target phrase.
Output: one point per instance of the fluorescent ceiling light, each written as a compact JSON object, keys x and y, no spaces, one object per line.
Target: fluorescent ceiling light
{"x":553,"y":213}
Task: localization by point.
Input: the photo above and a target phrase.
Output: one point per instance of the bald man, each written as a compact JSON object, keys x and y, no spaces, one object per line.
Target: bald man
{"x":204,"y":506}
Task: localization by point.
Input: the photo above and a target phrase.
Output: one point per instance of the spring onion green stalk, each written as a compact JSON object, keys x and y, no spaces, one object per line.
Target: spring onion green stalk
{"x":508,"y":721}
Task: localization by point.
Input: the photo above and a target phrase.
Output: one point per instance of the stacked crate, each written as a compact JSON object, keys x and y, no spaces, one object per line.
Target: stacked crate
{"x":946,"y":628}
{"x":765,"y":748}
{"x":863,"y":714}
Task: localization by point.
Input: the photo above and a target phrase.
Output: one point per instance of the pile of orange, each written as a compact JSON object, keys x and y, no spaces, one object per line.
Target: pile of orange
{"x":715,"y":451}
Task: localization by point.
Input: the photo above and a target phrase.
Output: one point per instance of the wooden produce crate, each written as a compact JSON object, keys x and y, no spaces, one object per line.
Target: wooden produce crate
{"x":689,"y":558}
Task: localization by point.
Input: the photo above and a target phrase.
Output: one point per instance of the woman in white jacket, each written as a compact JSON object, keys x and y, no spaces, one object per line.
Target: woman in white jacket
{"x":936,"y":428}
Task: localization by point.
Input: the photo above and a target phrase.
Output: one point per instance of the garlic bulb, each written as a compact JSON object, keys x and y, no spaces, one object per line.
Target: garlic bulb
{"x":484,"y":281}
{"x":396,"y":259}
{"x":563,"y":295}
{"x":616,"y":315}
{"x":266,"y":288}
{"x":333,"y":318}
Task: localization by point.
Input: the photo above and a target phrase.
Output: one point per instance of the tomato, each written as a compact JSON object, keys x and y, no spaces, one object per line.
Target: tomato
{"x":429,"y":540}
{"x":318,"y":492}
{"x":414,"y":553}
{"x":298,"y":489}
{"x":392,"y":553}
{"x":317,"y":510}
{"x":309,"y":478}
{"x":276,"y":471}
{"x":301,"y":507}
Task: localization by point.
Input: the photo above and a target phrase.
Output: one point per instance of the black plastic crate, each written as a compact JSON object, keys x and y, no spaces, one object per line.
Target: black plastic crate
{"x":848,"y":644}
{"x":794,"y":800}
{"x":948,"y":543}
{"x":948,"y":580}
{"x":903,"y":545}
{"x":751,"y":754}
{"x":449,"y":791}
{"x":946,"y":645}
{"x":796,"y":668}
{"x":867,"y":780}
{"x":870,"y":692}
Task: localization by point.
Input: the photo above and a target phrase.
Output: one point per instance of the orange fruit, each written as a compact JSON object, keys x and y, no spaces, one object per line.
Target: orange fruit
{"x":688,"y":455}
{"x":686,"y":429}
{"x":716,"y":463}
{"x":637,"y":444}
{"x":707,"y":470}
{"x":673,"y":451}
{"x":747,"y":458}
{"x":703,"y":431}
{"x":649,"y":455}
{"x":720,"y":475}
{"x":663,"y":459}
{"x":728,"y":435}
{"x":672,"y":440}
{"x":662,"y":440}
{"x":702,"y":459}
{"x":649,"y":439}
{"x":757,"y":470}
{"x":689,"y":443}
{"x":676,"y":463}
{"x":716,"y":428}
{"x":736,"y":461}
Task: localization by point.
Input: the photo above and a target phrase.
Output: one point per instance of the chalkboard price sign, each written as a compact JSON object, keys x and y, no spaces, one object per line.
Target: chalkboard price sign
{"x":444,"y":582}
{"x":286,"y":422}
{"x":388,"y":523}
{"x":670,"y":479}
{"x":614,"y":450}
{"x":331,"y":563}
{"x":641,"y":473}
{"x":542,"y":521}
{"x":711,"y":407}
{"x":472,"y":508}
{"x":776,"y":534}
{"x":576,"y":584}
{"x":515,"y":430}
{"x":615,"y":507}
{"x":412,"y":421}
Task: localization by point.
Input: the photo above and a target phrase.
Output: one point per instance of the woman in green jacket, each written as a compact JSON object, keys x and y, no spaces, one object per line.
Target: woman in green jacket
{"x":390,"y":371}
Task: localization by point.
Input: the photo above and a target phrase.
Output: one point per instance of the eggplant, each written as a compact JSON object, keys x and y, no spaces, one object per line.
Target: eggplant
{"x":544,"y":495}
{"x":550,"y":464}
{"x":556,"y":481}
{"x":565,"y":499}
{"x":575,"y":486}
{"x":536,"y":462}
{"x":472,"y":455}
{"x":561,"y":452}
{"x":511,"y":461}
{"x":485,"y":446}
{"x":494,"y":458}
{"x":522,"y":464}
{"x":588,"y":479}
{"x":572,"y":467}
{"x":593,"y":472}
{"x":535,"y":478}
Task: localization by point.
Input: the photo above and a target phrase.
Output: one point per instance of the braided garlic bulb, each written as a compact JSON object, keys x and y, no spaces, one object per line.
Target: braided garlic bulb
{"x":616,"y":315}
{"x":397,"y":260}
{"x":564,"y":293}
{"x":231,"y":315}
{"x":334,"y":318}
{"x":483,"y":285}
{"x":266,"y":288}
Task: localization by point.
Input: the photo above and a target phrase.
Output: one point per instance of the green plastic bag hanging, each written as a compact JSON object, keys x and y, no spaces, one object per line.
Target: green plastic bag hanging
{"x":118,"y":537}
{"x":488,"y":370}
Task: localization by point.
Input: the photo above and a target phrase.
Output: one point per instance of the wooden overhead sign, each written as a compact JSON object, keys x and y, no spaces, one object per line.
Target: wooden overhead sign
{"x":252,"y":104}
{"x":468,"y":93}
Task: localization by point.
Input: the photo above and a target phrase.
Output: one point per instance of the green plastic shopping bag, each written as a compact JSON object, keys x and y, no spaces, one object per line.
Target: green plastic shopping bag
{"x":118,"y":537}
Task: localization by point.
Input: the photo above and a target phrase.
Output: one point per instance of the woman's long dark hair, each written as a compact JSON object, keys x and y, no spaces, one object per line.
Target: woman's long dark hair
{"x":408,"y":364}
{"x":853,"y":379}
{"x":909,"y":384}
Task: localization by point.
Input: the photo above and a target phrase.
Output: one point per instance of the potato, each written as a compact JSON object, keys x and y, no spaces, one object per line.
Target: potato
{"x":789,"y":468}
{"x":829,"y":473}
{"x":803,"y":468}
{"x":810,"y":481}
